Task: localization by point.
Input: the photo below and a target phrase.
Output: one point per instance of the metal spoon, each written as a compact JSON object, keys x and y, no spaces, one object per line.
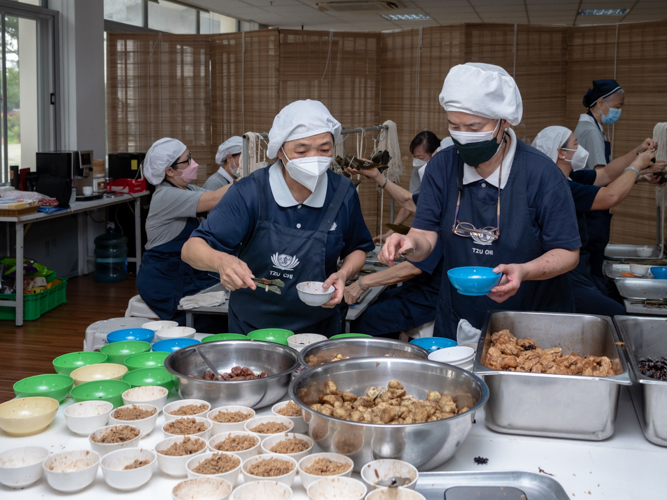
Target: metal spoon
{"x":209,"y":364}
{"x":393,"y":482}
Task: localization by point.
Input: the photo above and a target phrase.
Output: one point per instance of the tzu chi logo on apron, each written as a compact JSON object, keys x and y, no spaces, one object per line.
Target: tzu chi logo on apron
{"x":284,"y":262}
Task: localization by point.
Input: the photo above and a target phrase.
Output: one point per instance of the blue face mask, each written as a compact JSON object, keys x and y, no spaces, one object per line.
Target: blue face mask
{"x":612,"y":117}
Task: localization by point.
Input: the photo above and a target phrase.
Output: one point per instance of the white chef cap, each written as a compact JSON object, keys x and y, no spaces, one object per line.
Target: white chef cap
{"x":232,"y":146}
{"x":482,"y":90}
{"x":298,"y":120}
{"x":550,"y":139}
{"x":162,"y":154}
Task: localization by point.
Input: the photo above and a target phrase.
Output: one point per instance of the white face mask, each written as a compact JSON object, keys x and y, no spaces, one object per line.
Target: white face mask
{"x":471,"y":137}
{"x":307,"y":171}
{"x":579,"y":158}
{"x":416,"y":162}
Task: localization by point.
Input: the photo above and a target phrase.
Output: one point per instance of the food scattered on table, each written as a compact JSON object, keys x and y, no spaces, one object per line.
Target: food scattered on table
{"x":291,"y":409}
{"x":653,"y":368}
{"x":524,"y":355}
{"x":542,"y":471}
{"x":133,"y":413}
{"x":229,"y":417}
{"x":137,"y":464}
{"x":386,"y":406}
{"x":236,"y":443}
{"x":64,"y":463}
{"x":188,"y":446}
{"x":185,"y":426}
{"x":120,"y":434}
{"x":326,"y":467}
{"x":217,"y":464}
{"x":270,"y":428}
{"x":187,"y":410}
{"x":236,"y":373}
{"x":271,"y":467}
{"x":481,"y":460}
{"x":290,"y":445}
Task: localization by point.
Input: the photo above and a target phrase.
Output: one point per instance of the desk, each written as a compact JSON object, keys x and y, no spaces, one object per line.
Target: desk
{"x":79,"y":208}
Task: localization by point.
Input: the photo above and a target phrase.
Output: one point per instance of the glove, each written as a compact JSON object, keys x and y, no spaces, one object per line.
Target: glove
{"x":211,"y":299}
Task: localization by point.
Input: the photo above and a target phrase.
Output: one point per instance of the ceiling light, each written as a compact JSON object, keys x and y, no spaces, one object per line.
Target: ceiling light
{"x":407,"y":17}
{"x":603,"y":12}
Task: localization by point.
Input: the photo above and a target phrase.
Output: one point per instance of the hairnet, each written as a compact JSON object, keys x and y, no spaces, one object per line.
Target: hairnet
{"x":551,"y":139}
{"x":162,"y":154}
{"x":601,"y":89}
{"x":232,"y":146}
{"x":482,"y":90}
{"x":298,"y":120}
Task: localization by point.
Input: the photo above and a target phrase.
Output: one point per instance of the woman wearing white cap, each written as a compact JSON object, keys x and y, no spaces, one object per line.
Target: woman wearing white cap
{"x":592,"y":190}
{"x":228,"y":156}
{"x":495,"y":202}
{"x":292,"y":221}
{"x":163,"y":277}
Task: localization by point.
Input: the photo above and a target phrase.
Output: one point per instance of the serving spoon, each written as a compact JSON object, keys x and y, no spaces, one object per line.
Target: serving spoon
{"x":393,"y":482}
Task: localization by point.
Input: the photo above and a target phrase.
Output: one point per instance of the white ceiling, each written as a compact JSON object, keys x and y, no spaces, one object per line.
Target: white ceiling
{"x":298,"y":13}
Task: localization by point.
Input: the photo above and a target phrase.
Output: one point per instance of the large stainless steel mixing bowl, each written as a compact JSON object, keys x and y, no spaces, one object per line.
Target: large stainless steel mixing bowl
{"x":426,"y":445}
{"x":277,"y":360}
{"x":324,"y":352}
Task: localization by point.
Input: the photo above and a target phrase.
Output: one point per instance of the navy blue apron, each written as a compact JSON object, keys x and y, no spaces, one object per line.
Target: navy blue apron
{"x":164,"y":278}
{"x":518,"y":243}
{"x":293,"y":256}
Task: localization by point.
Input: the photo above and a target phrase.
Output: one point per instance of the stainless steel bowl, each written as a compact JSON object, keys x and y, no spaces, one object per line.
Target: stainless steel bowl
{"x":360,"y":348}
{"x":426,"y":445}
{"x":279,"y":361}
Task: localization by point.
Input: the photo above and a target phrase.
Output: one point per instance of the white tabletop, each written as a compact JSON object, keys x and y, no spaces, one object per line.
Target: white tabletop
{"x":624,"y":467}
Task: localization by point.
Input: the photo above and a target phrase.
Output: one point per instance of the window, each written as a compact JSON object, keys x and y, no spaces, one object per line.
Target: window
{"x":172,"y":17}
{"x":125,"y":11}
{"x":212,"y":23}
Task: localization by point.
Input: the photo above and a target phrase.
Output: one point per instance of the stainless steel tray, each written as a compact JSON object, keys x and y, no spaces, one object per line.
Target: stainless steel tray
{"x":634,"y":308}
{"x":628,"y":252}
{"x":535,"y":486}
{"x":613,"y":269}
{"x":637,"y":289}
{"x":646,"y":337}
{"x":523,"y":403}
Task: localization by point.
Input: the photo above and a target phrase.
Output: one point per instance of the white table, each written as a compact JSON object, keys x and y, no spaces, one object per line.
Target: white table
{"x":79,"y":208}
{"x":624,"y":467}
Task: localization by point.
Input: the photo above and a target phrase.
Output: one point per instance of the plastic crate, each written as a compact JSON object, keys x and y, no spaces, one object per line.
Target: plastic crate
{"x":34,"y":305}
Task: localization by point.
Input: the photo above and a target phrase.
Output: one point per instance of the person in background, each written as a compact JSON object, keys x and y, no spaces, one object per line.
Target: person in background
{"x":592,"y":190}
{"x":604,"y":103}
{"x":228,"y":156}
{"x":163,"y":277}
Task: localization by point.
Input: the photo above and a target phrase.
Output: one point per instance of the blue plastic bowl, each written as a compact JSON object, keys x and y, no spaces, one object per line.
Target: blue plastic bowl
{"x":173,"y":345}
{"x":473,"y":280}
{"x":143,"y":334}
{"x":660,"y":272}
{"x":432,"y":344}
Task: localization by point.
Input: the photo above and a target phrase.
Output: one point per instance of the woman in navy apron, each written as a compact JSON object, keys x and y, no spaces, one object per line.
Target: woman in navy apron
{"x":495,"y":202}
{"x":292,"y":222}
{"x":163,"y":277}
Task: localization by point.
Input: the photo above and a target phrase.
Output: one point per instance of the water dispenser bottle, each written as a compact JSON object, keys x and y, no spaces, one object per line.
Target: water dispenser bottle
{"x":110,"y":258}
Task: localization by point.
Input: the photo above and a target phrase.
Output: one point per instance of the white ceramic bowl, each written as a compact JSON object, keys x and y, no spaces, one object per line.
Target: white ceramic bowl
{"x":175,"y":332}
{"x":185,"y":402}
{"x":98,"y":371}
{"x":301,"y":340}
{"x":461,"y":356}
{"x":220,"y":427}
{"x":243,"y":455}
{"x":312,"y":293}
{"x":286,"y":479}
{"x":394,"y":494}
{"x":644,"y":251}
{"x":175,"y":465}
{"x":145,"y":425}
{"x":77,"y":470}
{"x":204,"y":434}
{"x":230,"y":476}
{"x":376,"y":470}
{"x":639,"y":269}
{"x":273,"y":440}
{"x":21,"y":467}
{"x":300,"y":425}
{"x":104,"y":448}
{"x":87,"y":416}
{"x":114,"y":463}
{"x":262,"y":490}
{"x":250,"y":424}
{"x":159,"y":325}
{"x":337,"y":488}
{"x":308,"y":479}
{"x":147,"y":394}
{"x":203,"y":488}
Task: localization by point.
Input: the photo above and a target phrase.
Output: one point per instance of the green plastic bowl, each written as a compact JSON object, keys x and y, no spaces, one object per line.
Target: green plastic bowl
{"x":49,"y":386}
{"x":349,"y":336}
{"x":150,"y":376}
{"x":67,"y":363}
{"x":146,"y":360}
{"x":276,"y":335}
{"x":224,"y":336}
{"x":118,"y":352}
{"x":101,"y":390}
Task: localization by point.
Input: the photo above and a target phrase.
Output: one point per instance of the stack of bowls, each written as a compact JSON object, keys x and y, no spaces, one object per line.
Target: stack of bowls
{"x":159,"y":325}
{"x":173,"y":345}
{"x":118,"y":352}
{"x":276,"y":335}
{"x":224,"y":336}
{"x":65,"y":364}
{"x":461,"y":356}
{"x":140,"y":334}
{"x":432,"y":344}
{"x":175,"y":332}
